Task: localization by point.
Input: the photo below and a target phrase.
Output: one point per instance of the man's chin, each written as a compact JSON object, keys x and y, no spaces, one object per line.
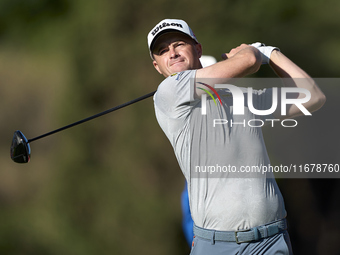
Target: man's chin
{"x":180,"y":67}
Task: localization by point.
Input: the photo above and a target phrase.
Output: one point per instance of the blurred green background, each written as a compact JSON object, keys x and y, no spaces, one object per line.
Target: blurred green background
{"x":113,"y":185}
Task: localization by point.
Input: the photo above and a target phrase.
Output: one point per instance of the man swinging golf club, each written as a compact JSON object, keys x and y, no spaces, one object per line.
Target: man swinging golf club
{"x":233,"y":214}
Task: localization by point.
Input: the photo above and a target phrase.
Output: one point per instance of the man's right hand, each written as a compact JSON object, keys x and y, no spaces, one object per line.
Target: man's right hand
{"x":239,"y":62}
{"x":234,"y":51}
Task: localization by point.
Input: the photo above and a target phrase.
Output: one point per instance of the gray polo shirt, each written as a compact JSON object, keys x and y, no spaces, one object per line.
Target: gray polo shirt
{"x":221,"y":200}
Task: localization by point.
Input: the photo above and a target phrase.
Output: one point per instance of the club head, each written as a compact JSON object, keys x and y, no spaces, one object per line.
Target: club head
{"x":20,"y":148}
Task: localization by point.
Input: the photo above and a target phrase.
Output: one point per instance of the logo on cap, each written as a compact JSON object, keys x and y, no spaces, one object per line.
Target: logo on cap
{"x":164,"y":25}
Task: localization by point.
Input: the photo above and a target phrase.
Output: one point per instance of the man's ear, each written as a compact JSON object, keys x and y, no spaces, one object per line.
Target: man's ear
{"x":156,"y":66}
{"x":199,"y":49}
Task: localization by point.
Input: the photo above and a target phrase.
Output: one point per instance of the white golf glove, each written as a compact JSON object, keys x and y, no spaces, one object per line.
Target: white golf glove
{"x":266,"y":51}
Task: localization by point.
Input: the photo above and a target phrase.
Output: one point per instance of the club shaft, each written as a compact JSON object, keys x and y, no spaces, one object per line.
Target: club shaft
{"x":93,"y":117}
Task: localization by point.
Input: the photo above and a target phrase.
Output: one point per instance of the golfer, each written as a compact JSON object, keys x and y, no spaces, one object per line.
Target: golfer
{"x":232,"y":214}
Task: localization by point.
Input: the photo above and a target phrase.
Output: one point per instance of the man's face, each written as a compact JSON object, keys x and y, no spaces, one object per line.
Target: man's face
{"x":175,"y":52}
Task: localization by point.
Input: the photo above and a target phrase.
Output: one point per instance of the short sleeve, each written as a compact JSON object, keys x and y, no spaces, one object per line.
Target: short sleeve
{"x":175,"y":94}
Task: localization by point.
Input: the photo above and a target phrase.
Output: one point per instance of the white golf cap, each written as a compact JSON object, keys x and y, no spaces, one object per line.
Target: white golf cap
{"x":169,"y":25}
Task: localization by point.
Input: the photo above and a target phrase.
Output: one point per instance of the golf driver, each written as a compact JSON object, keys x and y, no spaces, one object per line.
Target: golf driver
{"x":21,"y":150}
